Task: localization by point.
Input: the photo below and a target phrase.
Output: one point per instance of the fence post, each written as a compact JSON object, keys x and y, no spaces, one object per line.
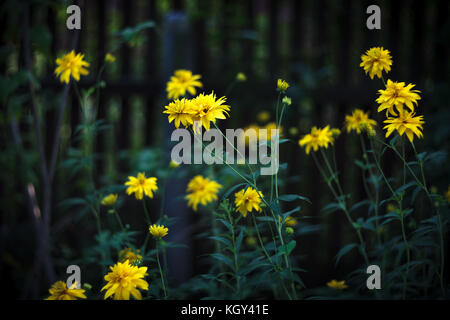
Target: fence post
{"x":176,"y":55}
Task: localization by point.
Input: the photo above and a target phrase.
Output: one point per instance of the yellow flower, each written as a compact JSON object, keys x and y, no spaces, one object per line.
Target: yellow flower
{"x":335,"y":132}
{"x":247,"y":200}
{"x":141,"y":186}
{"x":357,"y":120}
{"x":447,"y":194}
{"x":158,"y":231}
{"x":109,"y":200}
{"x":181,"y":111}
{"x":289,"y":230}
{"x":375,"y":61}
{"x":293,"y":131}
{"x":201,"y":191}
{"x":391,"y":207}
{"x":241,"y":77}
{"x":338,"y":285}
{"x":251,"y":241}
{"x":182,"y":81}
{"x":71,"y":65}
{"x":405,"y":123}
{"x":282,"y":85}
{"x":287,"y":101}
{"x":396,"y":94}
{"x":207,"y":108}
{"x":318,"y":138}
{"x":173,"y":164}
{"x":263,"y":116}
{"x":125,"y":279}
{"x":290,"y":222}
{"x":59,"y":291}
{"x":130,"y":255}
{"x":110,"y":58}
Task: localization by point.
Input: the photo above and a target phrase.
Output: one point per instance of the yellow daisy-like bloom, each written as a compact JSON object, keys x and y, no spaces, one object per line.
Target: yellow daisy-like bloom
{"x":396,"y":95}
{"x":201,"y":191}
{"x":158,"y":231}
{"x":357,"y":120}
{"x":263,"y":116}
{"x":180,"y":111}
{"x":248,"y":200}
{"x":110,"y":58}
{"x":282,"y":85}
{"x":125,"y":279}
{"x":71,"y":64}
{"x":182,"y":81}
{"x":141,"y":186}
{"x":338,"y":285}
{"x":318,"y":138}
{"x":208,"y":109}
{"x":405,"y":123}
{"x":59,"y":291}
{"x":241,"y":77}
{"x":375,"y":61}
{"x":109,"y":200}
{"x":130,"y":255}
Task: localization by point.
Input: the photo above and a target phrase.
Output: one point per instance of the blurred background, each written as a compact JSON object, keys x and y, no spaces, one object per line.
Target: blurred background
{"x":314,"y":45}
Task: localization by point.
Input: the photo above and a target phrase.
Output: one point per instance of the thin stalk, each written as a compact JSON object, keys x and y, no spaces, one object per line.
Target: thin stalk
{"x":408,"y":255}
{"x":160,"y":270}
{"x":235,"y":258}
{"x":440,"y":225}
{"x":341,"y":200}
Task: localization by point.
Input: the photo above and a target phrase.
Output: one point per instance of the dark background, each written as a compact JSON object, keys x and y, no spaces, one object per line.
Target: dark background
{"x":314,"y":45}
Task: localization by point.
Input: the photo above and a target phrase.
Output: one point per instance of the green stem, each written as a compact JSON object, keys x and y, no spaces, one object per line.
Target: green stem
{"x":160,"y":270}
{"x":408,"y":254}
{"x":235,"y":258}
{"x":342,"y":202}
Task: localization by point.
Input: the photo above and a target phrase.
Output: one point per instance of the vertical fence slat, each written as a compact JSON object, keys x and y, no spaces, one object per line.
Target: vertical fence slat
{"x":125,"y":59}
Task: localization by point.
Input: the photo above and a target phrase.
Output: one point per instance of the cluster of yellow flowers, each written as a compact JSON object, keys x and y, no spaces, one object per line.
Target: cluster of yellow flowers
{"x":201,"y":190}
{"x":395,"y":97}
{"x":203,"y":109}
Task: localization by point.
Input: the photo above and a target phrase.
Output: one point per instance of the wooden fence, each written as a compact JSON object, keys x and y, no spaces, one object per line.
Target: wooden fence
{"x":315,"y":45}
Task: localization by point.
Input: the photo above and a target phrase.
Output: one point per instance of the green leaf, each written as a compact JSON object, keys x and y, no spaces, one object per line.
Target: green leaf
{"x":287,"y":248}
{"x":292,"y":197}
{"x":221,"y":239}
{"x":287,"y":214}
{"x":222,"y":258}
{"x":344,"y":251}
{"x":239,"y":241}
